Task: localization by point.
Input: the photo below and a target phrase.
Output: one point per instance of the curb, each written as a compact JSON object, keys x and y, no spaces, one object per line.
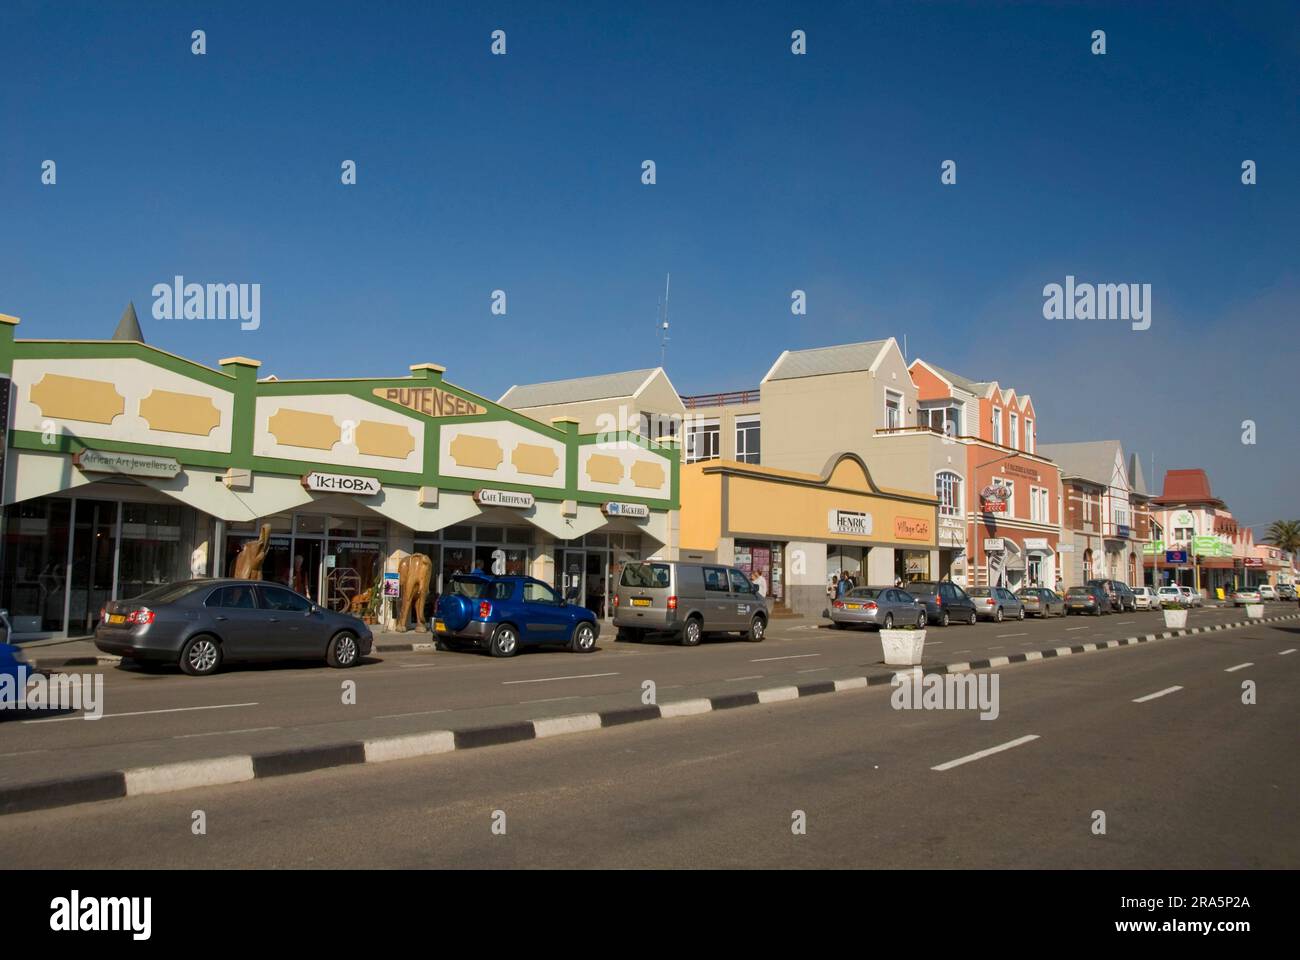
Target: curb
{"x":218,"y":771}
{"x":49,"y":663}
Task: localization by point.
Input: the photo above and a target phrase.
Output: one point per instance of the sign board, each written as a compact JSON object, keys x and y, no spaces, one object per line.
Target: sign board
{"x":849,"y":521}
{"x":341,"y":483}
{"x":911,"y":528}
{"x":993,"y":545}
{"x":638,"y":511}
{"x":1253,"y":561}
{"x":1036,"y":543}
{"x":1175,"y":556}
{"x":993,"y":499}
{"x":392,"y":585}
{"x":131,"y":464}
{"x":1065,"y":548}
{"x":430,"y":401}
{"x":503,"y":498}
{"x":1183,"y":519}
{"x":1124,"y":531}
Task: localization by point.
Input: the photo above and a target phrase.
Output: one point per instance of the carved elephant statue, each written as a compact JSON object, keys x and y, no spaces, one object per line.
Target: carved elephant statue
{"x":248,"y":565}
{"x":414,"y":573}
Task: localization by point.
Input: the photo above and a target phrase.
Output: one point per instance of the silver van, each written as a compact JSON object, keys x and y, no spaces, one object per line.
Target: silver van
{"x":687,"y":600}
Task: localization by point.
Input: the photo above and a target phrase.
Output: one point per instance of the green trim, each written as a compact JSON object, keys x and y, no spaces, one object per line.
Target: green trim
{"x":120,"y":350}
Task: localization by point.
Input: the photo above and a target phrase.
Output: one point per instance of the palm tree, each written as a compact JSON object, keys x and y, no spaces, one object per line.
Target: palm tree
{"x":1284,"y":534}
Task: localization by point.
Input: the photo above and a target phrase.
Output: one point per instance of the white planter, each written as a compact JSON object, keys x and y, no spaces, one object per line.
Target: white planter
{"x":1176,"y":619}
{"x":902,"y":648}
{"x":1254,"y":610}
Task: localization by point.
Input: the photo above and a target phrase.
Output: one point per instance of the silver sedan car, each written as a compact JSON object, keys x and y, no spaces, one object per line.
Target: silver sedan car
{"x":996,"y":604}
{"x":877,"y":607}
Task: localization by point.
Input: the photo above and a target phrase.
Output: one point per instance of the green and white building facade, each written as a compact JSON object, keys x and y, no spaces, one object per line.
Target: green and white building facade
{"x":126,"y":467}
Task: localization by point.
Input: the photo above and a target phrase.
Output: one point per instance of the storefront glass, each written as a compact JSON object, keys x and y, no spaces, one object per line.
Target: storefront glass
{"x":912,"y":565}
{"x":35,"y":564}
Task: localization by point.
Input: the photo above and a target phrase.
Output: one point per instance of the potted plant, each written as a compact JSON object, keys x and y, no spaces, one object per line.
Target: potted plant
{"x":1254,"y":610}
{"x":1175,"y":615}
{"x":903,"y":646}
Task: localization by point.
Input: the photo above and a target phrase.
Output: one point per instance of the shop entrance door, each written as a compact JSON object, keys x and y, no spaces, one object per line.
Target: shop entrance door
{"x":596,"y":587}
{"x":572,"y":575}
{"x":93,"y":563}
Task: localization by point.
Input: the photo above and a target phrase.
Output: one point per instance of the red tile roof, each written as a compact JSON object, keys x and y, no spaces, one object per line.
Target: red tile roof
{"x":1187,"y":486}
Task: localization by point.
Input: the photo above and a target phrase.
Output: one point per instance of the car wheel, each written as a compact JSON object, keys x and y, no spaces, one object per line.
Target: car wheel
{"x":201,"y":656}
{"x":970,"y":621}
{"x":997,"y":616}
{"x":1022,"y":614}
{"x":889,"y":621}
{"x":921,"y":621}
{"x":757,"y":629}
{"x":584,"y":638}
{"x":343,"y":650}
{"x":945,"y":620}
{"x":504,"y":642}
{"x":691,"y":633}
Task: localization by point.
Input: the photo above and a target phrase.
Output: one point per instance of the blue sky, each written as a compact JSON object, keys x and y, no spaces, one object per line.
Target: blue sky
{"x":775,"y":172}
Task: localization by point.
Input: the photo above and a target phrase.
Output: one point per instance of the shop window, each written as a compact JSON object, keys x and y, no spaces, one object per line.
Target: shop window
{"x":35,"y":564}
{"x":371,"y":527}
{"x":461,"y":532}
{"x":703,"y":441}
{"x":947,"y":487}
{"x":306,"y":523}
{"x":748,"y":440}
{"x":342,"y":526}
{"x":501,"y":561}
{"x":490,"y":535}
{"x":154,"y":548}
{"x":519,"y":535}
{"x":596,"y":540}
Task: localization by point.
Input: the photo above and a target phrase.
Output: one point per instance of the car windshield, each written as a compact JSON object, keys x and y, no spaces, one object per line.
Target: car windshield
{"x":645,"y":575}
{"x":169,"y":592}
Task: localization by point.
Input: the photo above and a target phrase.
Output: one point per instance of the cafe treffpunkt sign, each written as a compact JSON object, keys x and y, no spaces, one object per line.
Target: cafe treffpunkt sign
{"x":130,"y":464}
{"x":503,"y":498}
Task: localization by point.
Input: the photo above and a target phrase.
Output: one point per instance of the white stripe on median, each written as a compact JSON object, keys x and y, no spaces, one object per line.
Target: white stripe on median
{"x":1240,"y":666}
{"x":777,"y":694}
{"x":555,"y":726}
{"x":685,"y":708}
{"x":985,"y":753}
{"x":412,"y":745}
{"x":1159,"y":693}
{"x":580,"y":676}
{"x":191,"y":773}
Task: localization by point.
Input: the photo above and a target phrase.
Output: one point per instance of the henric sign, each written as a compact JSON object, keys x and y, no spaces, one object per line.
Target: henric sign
{"x":503,"y":498}
{"x":339,"y":483}
{"x":637,"y":511}
{"x":131,"y":464}
{"x":849,"y":521}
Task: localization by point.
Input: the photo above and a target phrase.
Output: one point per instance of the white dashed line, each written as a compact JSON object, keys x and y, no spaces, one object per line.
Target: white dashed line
{"x":142,"y":713}
{"x":793,"y":656}
{"x":417,"y":713}
{"x":580,"y":676}
{"x":985,"y":753}
{"x":757,"y":676}
{"x":1283,"y":653}
{"x":1240,"y":666}
{"x":1158,"y":693}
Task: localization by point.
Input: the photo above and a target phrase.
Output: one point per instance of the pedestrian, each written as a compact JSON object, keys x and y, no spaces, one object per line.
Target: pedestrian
{"x":759,"y":581}
{"x":842,"y":587}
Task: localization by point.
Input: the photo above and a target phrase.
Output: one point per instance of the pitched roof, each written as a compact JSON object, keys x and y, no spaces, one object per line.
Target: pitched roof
{"x":1136,"y":478}
{"x":601,"y":387}
{"x":1092,"y":460}
{"x":957,"y":380}
{"x":1187,"y":486}
{"x":128,"y":328}
{"x":819,"y":361}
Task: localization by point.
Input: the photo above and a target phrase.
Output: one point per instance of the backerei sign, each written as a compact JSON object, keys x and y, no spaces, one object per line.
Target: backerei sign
{"x":503,"y":498}
{"x":131,"y":464}
{"x":341,"y":483}
{"x":849,"y":521}
{"x":637,"y":511}
{"x":993,"y":499}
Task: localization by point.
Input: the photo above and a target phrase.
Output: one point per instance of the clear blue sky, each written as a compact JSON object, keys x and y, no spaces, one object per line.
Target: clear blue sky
{"x":775,"y":172}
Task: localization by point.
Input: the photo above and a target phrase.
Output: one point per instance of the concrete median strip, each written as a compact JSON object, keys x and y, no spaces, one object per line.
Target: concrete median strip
{"x":188,"y":775}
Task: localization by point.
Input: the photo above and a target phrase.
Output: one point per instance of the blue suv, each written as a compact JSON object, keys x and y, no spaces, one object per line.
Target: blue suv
{"x":501,"y":614}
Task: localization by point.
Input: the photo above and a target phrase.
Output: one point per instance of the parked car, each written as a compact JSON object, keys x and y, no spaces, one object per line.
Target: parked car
{"x":1119,"y":593}
{"x":1087,"y":599}
{"x":1042,"y":602}
{"x":1244,"y":596}
{"x":201,"y":624}
{"x":879,"y":607}
{"x":1194,"y":598}
{"x":1267,"y":591}
{"x":504,"y":614}
{"x":1146,"y":598}
{"x":687,"y":600}
{"x":16,"y":670}
{"x":1286,"y":591}
{"x":944,"y":601}
{"x":1171,"y":593}
{"x":997,"y":604}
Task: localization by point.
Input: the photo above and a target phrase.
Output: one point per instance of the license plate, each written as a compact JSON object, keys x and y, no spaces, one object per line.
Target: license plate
{"x":439,"y":626}
{"x":117,"y":618}
{"x":639,"y":602}
{"x":853,"y":606}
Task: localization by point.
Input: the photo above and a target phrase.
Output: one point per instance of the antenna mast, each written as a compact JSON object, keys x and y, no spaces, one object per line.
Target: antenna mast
{"x":663,"y":322}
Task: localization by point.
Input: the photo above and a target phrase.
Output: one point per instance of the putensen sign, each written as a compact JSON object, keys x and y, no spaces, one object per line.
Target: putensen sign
{"x":341,"y":483}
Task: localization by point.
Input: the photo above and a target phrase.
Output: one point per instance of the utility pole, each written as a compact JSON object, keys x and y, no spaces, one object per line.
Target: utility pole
{"x":663,"y":323}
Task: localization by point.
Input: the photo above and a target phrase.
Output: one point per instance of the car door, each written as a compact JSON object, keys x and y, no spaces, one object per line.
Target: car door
{"x":291,"y":628}
{"x":745,"y":598}
{"x":237,"y":621}
{"x":546,"y":617}
{"x":719,"y":605}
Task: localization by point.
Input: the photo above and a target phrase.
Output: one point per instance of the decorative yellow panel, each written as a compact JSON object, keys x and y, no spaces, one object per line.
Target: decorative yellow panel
{"x":73,"y":398}
{"x":532,"y":459}
{"x":481,"y":452}
{"x":298,"y":428}
{"x":648,"y":475}
{"x":384,"y":440}
{"x":180,"y":413}
{"x":604,"y":469}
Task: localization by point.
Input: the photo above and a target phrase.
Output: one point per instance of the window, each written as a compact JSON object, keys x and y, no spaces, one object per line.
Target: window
{"x":1011,"y":493}
{"x":652,"y":426}
{"x":947,"y":487}
{"x":702,"y":441}
{"x":537,"y":592}
{"x":747,"y":439}
{"x":645,"y":575}
{"x":715,"y":580}
{"x":1015,"y":431}
{"x":740,"y":583}
{"x":1087,"y":508}
{"x":1029,"y":435}
{"x":1184,"y":533}
{"x":238,"y":598}
{"x":997,"y":425}
{"x":945,"y":417}
{"x":278,"y":598}
{"x":893,"y":410}
{"x":1039,"y":505}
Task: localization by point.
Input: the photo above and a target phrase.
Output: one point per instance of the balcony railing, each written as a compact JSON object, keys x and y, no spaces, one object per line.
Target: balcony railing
{"x":732,"y":398}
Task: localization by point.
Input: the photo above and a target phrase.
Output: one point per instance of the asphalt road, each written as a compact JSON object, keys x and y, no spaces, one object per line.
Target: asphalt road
{"x":162,"y":717}
{"x":1187,"y":778}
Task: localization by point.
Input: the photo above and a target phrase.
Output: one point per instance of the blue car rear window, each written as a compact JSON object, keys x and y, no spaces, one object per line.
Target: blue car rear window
{"x":480,"y":589}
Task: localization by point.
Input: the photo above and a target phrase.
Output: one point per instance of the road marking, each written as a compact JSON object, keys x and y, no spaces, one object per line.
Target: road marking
{"x":1003,"y":635}
{"x":1120,"y":623}
{"x":1283,"y":653}
{"x":551,"y":700}
{"x":757,"y":676}
{"x":985,"y":753}
{"x":997,"y":646}
{"x":218,"y":733}
{"x":1072,"y":629}
{"x":142,"y":713}
{"x":416,"y":666}
{"x":793,"y":656}
{"x":417,"y":713}
{"x":1240,"y":666}
{"x":812,"y":670}
{"x":22,"y":753}
{"x":1158,"y":693}
{"x":967,"y":650}
{"x":580,"y":676}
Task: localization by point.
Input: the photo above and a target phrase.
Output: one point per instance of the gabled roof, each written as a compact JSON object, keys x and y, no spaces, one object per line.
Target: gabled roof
{"x":1136,"y":478}
{"x":604,"y":386}
{"x":820,"y":361}
{"x":962,"y":383}
{"x":1187,"y":486}
{"x":1091,"y":460}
